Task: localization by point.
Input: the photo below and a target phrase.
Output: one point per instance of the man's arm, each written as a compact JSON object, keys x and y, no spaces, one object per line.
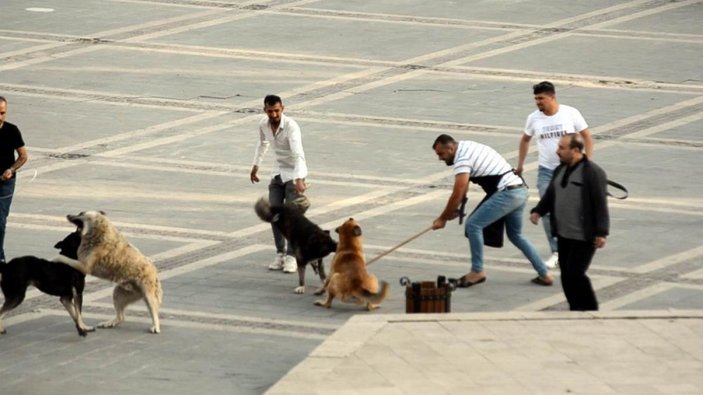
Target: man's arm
{"x":587,"y":142}
{"x":522,"y":152}
{"x":22,"y":157}
{"x":461,"y":186}
{"x":295,"y":140}
{"x":262,"y":145}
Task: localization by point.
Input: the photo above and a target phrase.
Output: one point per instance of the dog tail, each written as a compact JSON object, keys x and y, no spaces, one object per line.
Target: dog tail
{"x":377,"y":297}
{"x":263,"y":210}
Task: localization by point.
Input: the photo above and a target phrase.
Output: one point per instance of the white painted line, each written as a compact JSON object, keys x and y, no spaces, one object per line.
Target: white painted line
{"x":667,"y":126}
{"x":641,"y":14}
{"x":190,"y":267}
{"x":669,"y":260}
{"x":121,"y":224}
{"x":39,"y":9}
{"x":636,"y":296}
{"x":165,"y":324}
{"x":217,"y":316}
{"x":599,"y":282}
{"x":144,"y":131}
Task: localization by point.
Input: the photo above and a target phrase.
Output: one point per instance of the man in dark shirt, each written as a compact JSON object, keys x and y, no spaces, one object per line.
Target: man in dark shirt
{"x":10,"y":142}
{"x":577,"y":201}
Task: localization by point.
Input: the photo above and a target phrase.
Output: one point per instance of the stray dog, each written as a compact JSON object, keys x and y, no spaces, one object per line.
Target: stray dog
{"x":309,"y":242}
{"x":50,"y":278}
{"x":105,"y":253}
{"x":350,"y":280}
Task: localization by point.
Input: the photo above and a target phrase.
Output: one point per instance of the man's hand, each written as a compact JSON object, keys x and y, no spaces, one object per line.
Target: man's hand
{"x":519,"y":170}
{"x":7,"y":174}
{"x":534,"y":218}
{"x":599,"y":242}
{"x":439,"y":223}
{"x":300,"y":185}
{"x":252,"y":176}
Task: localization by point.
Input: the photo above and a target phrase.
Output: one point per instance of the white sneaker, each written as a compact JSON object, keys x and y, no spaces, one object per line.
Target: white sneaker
{"x":553,"y":261}
{"x":277,"y":263}
{"x":290,"y":265}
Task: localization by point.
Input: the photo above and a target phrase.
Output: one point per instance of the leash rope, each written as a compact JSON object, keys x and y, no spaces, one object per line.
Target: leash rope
{"x":377,"y":257}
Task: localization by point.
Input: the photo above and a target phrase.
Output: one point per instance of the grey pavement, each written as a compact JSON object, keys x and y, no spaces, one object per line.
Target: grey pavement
{"x":147,"y":109}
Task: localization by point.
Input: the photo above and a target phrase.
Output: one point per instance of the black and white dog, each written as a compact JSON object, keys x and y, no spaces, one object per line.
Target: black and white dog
{"x":52,"y":278}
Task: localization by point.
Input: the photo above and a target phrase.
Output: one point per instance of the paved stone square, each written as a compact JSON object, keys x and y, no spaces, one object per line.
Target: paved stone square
{"x":147,"y":109}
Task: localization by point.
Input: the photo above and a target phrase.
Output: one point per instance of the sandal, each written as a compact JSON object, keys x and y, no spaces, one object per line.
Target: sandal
{"x":463,"y":282}
{"x":542,"y":281}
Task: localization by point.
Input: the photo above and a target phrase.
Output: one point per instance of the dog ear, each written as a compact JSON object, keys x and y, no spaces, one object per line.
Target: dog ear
{"x":357,"y":230}
{"x":102,"y":212}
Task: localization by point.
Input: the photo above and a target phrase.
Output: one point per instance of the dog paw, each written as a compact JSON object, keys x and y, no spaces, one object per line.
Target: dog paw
{"x":319,"y":291}
{"x":84,"y":331}
{"x":108,"y":324}
{"x":299,"y":290}
{"x":155,"y":330}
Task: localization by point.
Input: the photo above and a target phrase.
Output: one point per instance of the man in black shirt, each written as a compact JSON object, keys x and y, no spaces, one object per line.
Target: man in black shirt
{"x":577,"y":200}
{"x":10,"y":142}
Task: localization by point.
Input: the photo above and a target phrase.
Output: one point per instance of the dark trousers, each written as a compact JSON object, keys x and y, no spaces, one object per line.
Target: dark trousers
{"x":574,"y":259}
{"x":7,"y":189}
{"x":279,"y":193}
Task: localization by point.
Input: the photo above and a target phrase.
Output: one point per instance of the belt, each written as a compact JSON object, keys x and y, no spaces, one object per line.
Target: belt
{"x":511,"y":187}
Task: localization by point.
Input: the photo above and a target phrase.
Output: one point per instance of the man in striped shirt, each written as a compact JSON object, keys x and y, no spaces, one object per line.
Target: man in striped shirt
{"x":506,"y":199}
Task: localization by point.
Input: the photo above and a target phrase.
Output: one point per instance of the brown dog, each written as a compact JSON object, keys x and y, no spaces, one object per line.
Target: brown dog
{"x":349,"y":279}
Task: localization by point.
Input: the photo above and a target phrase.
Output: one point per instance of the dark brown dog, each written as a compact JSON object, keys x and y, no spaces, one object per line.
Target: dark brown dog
{"x":309,"y":242}
{"x":349,"y":279}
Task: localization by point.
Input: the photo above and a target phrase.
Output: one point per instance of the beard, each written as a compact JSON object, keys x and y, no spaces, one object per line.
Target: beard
{"x":449,"y":162}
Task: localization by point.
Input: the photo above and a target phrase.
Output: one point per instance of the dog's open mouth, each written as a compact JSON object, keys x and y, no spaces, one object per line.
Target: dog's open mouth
{"x":76,"y":220}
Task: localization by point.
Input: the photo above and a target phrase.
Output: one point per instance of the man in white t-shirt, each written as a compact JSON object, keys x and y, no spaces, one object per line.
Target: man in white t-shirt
{"x":288,"y":173}
{"x":506,"y":196}
{"x":548,"y":124}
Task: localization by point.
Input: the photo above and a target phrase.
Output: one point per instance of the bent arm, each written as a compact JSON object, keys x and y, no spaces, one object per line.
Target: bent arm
{"x":461,"y":186}
{"x":587,"y":142}
{"x":522,"y":152}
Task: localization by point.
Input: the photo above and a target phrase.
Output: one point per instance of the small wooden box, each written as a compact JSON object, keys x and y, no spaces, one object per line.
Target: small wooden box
{"x":428,"y":296}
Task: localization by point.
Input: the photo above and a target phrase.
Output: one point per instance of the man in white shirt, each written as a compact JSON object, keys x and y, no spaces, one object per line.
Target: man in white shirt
{"x":505,"y":200}
{"x":549,"y":123}
{"x":288,"y":173}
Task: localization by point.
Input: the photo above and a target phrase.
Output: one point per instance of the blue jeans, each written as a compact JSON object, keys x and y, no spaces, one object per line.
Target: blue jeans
{"x":7,"y":189}
{"x":544,"y":177}
{"x":507,"y":204}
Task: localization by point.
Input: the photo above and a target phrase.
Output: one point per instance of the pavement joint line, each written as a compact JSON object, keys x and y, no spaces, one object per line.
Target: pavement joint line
{"x":193,"y":314}
{"x":70,"y":46}
{"x":665,"y":6}
{"x":245,"y":13}
{"x":184,"y":324}
{"x":553,"y":32}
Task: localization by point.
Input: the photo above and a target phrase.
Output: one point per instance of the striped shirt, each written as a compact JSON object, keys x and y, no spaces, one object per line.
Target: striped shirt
{"x":480,"y":160}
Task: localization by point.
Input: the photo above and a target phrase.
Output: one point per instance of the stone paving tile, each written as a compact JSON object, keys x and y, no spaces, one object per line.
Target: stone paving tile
{"x":154,"y":103}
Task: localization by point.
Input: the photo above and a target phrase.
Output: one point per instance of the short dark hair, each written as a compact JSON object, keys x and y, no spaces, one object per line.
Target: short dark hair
{"x":2,"y":99}
{"x":576,"y":141}
{"x":544,"y":87}
{"x":443,"y":139}
{"x":272,"y":100}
